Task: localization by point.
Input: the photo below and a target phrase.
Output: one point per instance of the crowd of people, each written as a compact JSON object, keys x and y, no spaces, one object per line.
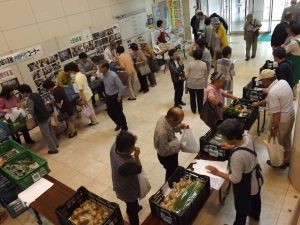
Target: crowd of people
{"x":113,"y":76}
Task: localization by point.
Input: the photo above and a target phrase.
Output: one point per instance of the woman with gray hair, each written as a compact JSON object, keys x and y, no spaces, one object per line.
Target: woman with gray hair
{"x":212,"y":110}
{"x":251,"y":33}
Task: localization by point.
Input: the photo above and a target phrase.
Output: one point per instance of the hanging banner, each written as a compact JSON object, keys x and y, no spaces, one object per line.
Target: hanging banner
{"x":20,"y":56}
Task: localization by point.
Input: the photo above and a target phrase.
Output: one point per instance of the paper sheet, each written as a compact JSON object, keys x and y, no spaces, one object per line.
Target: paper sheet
{"x":34,"y":191}
{"x":215,"y":181}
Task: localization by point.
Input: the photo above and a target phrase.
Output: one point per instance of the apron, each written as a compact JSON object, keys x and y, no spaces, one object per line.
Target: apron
{"x":242,"y":190}
{"x":295,"y":59}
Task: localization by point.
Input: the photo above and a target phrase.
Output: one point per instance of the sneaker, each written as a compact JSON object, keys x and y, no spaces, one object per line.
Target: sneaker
{"x":131,"y":99}
{"x":53,"y":152}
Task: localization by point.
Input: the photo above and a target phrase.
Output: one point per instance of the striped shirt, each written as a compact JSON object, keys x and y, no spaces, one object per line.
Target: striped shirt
{"x":226,"y":67}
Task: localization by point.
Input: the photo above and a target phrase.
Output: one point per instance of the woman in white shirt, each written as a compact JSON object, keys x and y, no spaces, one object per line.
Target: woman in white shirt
{"x":293,"y":54}
{"x":196,"y":80}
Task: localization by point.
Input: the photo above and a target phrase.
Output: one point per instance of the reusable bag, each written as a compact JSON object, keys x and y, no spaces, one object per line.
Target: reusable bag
{"x":209,"y":114}
{"x":276,"y":151}
{"x":144,"y":184}
{"x":144,"y":69}
{"x":30,"y":122}
{"x":188,"y":142}
{"x":86,"y":111}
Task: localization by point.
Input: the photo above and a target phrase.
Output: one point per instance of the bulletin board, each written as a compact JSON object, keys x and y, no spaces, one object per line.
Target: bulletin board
{"x":133,"y":24}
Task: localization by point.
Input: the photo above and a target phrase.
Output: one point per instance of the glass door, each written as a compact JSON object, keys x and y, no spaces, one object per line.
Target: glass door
{"x":262,"y":10}
{"x":238,"y":12}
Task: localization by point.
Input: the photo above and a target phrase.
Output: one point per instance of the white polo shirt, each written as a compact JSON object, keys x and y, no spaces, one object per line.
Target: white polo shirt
{"x":280,"y":99}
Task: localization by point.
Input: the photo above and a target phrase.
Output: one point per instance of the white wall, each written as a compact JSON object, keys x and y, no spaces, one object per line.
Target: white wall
{"x":24,"y":23}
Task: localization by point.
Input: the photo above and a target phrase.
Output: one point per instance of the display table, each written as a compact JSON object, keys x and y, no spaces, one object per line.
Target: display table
{"x":47,"y":203}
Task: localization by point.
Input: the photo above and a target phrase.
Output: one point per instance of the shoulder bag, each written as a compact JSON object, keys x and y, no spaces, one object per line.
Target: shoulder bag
{"x":209,"y":114}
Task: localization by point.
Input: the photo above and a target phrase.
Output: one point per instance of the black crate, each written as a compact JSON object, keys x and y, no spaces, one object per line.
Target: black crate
{"x":269,"y":64}
{"x":5,"y":185}
{"x":190,"y":214}
{"x":65,"y":211}
{"x":253,"y":91}
{"x":249,"y":120}
{"x":212,"y":150}
{"x":15,"y":208}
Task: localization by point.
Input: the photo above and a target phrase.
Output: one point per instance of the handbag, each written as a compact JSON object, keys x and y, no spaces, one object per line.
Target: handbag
{"x":144,"y":69}
{"x":154,"y":66}
{"x":123,"y":75}
{"x":144,"y":184}
{"x":86,"y":111}
{"x":209,"y":114}
{"x":30,"y":122}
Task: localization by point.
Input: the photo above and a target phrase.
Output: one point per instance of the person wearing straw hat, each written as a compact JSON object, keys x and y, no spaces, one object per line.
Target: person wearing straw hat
{"x":149,"y":53}
{"x":279,"y":102}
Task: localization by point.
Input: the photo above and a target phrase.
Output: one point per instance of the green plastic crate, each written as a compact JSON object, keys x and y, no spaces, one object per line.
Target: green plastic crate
{"x":31,"y":177}
{"x":8,"y":145}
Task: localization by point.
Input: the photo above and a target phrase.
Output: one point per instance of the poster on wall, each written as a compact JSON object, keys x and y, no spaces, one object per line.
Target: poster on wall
{"x":103,"y":37}
{"x":8,"y":78}
{"x":7,"y":60}
{"x":175,"y":12}
{"x":44,"y":68}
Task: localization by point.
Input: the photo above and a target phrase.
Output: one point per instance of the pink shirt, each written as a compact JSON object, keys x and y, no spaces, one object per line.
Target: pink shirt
{"x":8,"y":104}
{"x":211,"y":91}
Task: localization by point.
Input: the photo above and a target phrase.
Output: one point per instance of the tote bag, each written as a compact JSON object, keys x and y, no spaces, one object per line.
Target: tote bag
{"x":30,"y":122}
{"x":144,"y":69}
{"x":209,"y":114}
{"x":276,"y":151}
{"x":144,"y":184}
{"x":188,"y":142}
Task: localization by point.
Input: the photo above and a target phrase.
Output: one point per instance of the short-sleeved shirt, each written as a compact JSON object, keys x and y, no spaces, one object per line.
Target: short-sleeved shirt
{"x":249,"y":26}
{"x":243,"y":162}
{"x":280,"y":99}
{"x":284,"y":71}
{"x":226,"y":67}
{"x":211,"y":91}
{"x":196,"y":74}
{"x":82,"y":84}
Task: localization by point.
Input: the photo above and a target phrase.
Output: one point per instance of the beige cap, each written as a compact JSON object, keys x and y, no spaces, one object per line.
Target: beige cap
{"x":266,"y":74}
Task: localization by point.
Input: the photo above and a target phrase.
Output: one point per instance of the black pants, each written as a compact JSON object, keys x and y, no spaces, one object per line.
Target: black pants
{"x":196,"y":99}
{"x":143,"y":82}
{"x":100,"y":91}
{"x":132,"y":210}
{"x":26,"y":136}
{"x":170,"y":163}
{"x":241,"y":218}
{"x":178,"y":88}
{"x":115,"y":110}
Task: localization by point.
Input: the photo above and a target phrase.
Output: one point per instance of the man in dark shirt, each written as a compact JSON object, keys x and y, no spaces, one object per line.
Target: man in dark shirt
{"x":177,"y":74}
{"x":285,"y":67}
{"x":279,"y":34}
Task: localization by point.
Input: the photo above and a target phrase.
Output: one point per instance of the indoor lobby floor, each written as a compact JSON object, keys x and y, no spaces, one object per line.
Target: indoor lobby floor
{"x":84,"y":160}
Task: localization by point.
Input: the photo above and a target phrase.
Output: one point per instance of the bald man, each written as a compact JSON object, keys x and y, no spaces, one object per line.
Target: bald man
{"x":166,"y":143}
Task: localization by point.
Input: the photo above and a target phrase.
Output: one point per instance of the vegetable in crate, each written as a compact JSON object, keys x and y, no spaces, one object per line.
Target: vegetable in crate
{"x":11,"y":153}
{"x":21,"y":167}
{"x":182,"y":195}
{"x":89,"y":213}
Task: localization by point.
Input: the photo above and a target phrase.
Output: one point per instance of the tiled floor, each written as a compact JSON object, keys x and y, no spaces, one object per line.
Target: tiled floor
{"x":84,"y":160}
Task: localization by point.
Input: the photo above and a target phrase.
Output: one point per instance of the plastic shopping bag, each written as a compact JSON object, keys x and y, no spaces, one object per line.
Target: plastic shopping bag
{"x":276,"y":152}
{"x":86,"y":111}
{"x":144,"y":183}
{"x":188,"y":141}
